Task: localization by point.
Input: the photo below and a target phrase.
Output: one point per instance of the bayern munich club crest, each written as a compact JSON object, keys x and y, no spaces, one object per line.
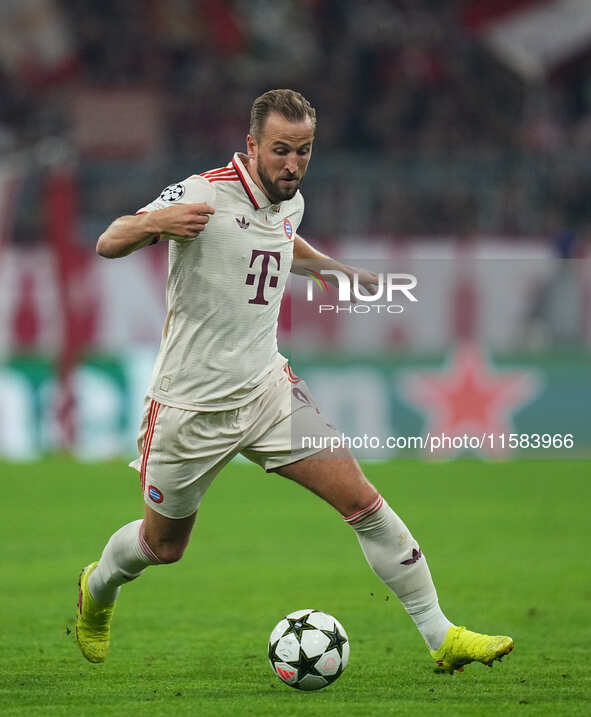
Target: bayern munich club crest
{"x":155,"y":494}
{"x":287,"y":228}
{"x":172,"y":193}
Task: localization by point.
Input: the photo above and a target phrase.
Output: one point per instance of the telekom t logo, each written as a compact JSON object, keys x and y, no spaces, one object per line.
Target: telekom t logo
{"x":264,"y":264}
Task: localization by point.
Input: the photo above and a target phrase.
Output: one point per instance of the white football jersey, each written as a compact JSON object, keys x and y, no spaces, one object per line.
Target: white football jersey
{"x":219,"y":342}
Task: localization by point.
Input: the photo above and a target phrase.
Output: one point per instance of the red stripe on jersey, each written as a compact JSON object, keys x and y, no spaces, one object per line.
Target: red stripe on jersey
{"x":221,"y":175}
{"x":291,"y":377}
{"x":207,"y":175}
{"x":223,"y":170}
{"x":245,"y":185}
{"x":223,"y":179}
{"x":217,"y":171}
{"x":154,"y":408}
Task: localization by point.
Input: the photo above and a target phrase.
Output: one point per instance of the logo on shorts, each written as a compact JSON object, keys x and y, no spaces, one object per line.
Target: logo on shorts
{"x":287,"y":228}
{"x":172,"y":193}
{"x":155,"y":494}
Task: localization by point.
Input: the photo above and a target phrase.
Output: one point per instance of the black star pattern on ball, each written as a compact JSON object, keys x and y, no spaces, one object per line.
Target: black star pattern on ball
{"x":272,"y":654}
{"x":297,"y":626}
{"x":305,"y":665}
{"x":336,"y":639}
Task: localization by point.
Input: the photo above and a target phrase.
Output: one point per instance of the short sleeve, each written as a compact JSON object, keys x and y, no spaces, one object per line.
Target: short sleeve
{"x":192,"y":190}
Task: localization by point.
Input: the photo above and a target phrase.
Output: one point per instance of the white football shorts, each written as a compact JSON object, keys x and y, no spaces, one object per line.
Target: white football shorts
{"x":182,"y":451}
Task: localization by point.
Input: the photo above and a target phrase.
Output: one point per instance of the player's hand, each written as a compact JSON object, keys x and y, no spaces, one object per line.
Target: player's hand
{"x":182,"y":220}
{"x":368,"y":280}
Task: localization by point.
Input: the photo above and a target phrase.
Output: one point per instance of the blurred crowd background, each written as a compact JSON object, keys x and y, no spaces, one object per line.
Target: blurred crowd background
{"x":452,"y":143}
{"x":421,"y":128}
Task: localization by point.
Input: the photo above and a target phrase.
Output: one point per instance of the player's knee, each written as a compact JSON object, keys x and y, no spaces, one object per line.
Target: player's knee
{"x":358,"y":501}
{"x":169,"y":552}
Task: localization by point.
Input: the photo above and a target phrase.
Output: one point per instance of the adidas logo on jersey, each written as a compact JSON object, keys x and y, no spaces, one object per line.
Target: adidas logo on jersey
{"x":242,"y":223}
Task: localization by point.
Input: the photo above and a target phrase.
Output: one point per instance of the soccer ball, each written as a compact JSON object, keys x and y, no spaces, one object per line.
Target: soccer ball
{"x":308,"y":649}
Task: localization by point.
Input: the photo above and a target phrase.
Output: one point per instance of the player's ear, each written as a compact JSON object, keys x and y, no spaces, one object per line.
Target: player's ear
{"x":251,"y":146}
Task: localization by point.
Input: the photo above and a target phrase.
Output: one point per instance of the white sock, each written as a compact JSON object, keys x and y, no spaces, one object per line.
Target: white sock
{"x":395,"y":557}
{"x":124,"y":558}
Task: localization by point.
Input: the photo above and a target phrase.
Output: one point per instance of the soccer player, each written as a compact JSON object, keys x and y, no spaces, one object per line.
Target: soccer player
{"x":220,"y":386}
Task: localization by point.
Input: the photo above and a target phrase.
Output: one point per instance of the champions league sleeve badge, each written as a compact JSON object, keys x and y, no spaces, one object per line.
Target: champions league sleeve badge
{"x":172,"y":193}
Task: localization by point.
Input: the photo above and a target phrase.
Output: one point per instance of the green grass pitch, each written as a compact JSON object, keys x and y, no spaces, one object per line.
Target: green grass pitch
{"x":507,"y":543}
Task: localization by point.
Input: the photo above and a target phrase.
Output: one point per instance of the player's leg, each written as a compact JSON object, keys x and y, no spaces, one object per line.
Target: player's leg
{"x":163,"y":534}
{"x":279,"y":443}
{"x":173,"y":488}
{"x":391,"y":551}
{"x":166,"y":537}
{"x":334,"y":475}
{"x":394,"y":555}
{"x":152,"y":541}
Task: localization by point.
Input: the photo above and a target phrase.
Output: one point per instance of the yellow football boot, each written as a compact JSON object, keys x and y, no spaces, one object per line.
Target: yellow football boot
{"x":93,"y":621}
{"x":462,"y":646}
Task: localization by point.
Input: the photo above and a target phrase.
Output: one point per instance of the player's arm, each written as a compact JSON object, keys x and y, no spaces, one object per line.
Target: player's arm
{"x":305,"y":257}
{"x":129,"y":233}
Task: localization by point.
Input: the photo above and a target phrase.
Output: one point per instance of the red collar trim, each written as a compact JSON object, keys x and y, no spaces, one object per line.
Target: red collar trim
{"x":245,"y":184}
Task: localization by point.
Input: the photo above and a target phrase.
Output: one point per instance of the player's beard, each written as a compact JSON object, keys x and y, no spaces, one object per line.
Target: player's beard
{"x":273,"y":190}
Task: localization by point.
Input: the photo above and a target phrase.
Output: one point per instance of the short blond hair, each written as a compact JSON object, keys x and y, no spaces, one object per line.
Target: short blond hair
{"x":288,"y":103}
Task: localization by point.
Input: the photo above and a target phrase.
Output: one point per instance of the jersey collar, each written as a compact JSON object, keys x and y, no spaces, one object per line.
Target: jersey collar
{"x":256,"y":195}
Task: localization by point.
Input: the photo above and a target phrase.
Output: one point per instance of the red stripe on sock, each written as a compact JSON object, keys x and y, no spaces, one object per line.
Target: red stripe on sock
{"x":148,"y":552}
{"x":361,"y":515}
